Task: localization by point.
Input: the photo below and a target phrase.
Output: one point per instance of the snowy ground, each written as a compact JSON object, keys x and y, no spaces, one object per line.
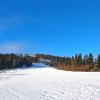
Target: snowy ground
{"x":46,"y":83}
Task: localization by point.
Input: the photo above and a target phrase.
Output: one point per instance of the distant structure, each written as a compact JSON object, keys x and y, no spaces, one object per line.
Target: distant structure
{"x":41,"y":60}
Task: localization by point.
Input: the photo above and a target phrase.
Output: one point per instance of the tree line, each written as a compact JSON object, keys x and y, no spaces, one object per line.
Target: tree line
{"x":74,"y":63}
{"x":11,"y":61}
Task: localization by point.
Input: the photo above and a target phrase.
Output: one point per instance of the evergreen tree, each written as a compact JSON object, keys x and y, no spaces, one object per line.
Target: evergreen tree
{"x":9,"y":61}
{"x":90,"y":61}
{"x":98,"y":62}
{"x":79,"y":60}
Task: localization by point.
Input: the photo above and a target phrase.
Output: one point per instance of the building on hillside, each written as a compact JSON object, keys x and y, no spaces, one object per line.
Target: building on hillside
{"x":46,"y":61}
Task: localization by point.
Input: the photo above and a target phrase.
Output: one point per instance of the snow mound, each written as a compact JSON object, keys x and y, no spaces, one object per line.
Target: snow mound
{"x":49,"y":84}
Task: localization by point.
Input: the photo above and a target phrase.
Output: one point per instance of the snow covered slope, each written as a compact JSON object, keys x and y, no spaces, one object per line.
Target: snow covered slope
{"x":49,"y":84}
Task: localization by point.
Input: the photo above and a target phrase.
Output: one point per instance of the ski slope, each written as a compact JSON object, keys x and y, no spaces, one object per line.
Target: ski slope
{"x":46,"y":83}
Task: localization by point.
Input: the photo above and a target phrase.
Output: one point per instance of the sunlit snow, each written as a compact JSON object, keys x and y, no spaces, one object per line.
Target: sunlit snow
{"x":46,"y":83}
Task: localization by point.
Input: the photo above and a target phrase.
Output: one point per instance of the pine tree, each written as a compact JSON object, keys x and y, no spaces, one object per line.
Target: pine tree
{"x":90,"y":61}
{"x":98,"y":62}
{"x":79,"y":60}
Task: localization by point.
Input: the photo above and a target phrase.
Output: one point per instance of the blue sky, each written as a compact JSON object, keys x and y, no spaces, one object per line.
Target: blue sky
{"x":58,"y":27}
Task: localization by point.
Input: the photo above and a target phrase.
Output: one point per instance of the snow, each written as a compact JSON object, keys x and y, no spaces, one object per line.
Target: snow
{"x":39,"y":65}
{"x":47,"y":83}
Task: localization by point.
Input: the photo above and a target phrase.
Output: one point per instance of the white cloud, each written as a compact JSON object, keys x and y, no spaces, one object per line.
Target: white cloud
{"x":11,"y":47}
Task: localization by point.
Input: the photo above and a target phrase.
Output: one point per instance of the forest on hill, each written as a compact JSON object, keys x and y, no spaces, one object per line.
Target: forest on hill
{"x":74,"y":63}
{"x":11,"y":61}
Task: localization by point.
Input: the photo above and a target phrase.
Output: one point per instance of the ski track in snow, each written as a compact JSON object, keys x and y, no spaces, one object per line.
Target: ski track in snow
{"x":49,"y":84}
